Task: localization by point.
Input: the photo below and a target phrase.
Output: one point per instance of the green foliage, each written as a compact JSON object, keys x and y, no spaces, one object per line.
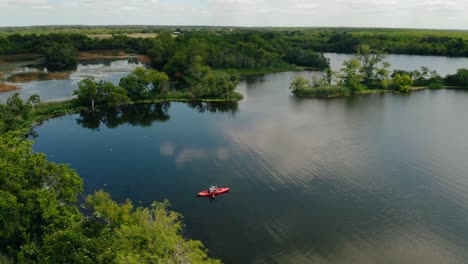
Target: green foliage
{"x":373,"y":68}
{"x":402,"y":82}
{"x":101,"y":93}
{"x":459,"y":79}
{"x":16,"y":113}
{"x":350,"y":76}
{"x":36,"y":197}
{"x":60,"y":57}
{"x":299,"y":83}
{"x":87,"y":92}
{"x":216,"y":84}
{"x":120,"y":233}
{"x":435,"y":81}
{"x":144,"y":83}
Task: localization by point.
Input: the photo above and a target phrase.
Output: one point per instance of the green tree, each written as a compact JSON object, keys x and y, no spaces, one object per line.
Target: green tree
{"x":402,"y":82}
{"x":36,"y":197}
{"x":299,"y":83}
{"x":350,"y":75}
{"x":14,"y":114}
{"x":216,"y":84}
{"x":60,"y":57}
{"x":135,"y":87}
{"x":458,"y":79}
{"x":370,"y":60}
{"x":34,"y":100}
{"x":154,"y":81}
{"x":329,"y":76}
{"x":110,"y":95}
{"x":87,"y":92}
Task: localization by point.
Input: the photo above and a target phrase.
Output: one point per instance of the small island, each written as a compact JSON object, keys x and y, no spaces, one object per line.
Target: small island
{"x":368,"y":73}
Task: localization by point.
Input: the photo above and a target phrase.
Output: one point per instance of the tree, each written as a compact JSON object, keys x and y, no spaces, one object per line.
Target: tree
{"x":216,"y":84}
{"x":458,"y":79}
{"x":36,"y":197}
{"x":87,"y":92}
{"x":121,"y":233}
{"x":350,"y":76}
{"x":135,"y":87}
{"x":329,"y":76}
{"x":110,"y":95}
{"x":370,"y":59}
{"x":34,"y":100}
{"x":298,"y":83}
{"x":59,"y":57}
{"x":402,"y":82}
{"x":153,"y":80}
{"x":14,"y":114}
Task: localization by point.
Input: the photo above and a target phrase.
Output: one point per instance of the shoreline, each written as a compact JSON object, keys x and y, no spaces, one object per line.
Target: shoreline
{"x":49,"y":110}
{"x":370,"y":91}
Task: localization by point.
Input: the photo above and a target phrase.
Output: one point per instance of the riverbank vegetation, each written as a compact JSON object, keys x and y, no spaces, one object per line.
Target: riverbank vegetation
{"x":368,"y":72}
{"x":148,"y":85}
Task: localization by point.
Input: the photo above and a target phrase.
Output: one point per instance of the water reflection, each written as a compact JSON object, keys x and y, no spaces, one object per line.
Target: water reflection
{"x":229,"y":107}
{"x":144,"y":115}
{"x":135,"y":115}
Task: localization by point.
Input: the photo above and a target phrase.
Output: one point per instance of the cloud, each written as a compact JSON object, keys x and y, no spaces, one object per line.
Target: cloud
{"x":167,"y":149}
{"x":190,"y":154}
{"x":367,"y":13}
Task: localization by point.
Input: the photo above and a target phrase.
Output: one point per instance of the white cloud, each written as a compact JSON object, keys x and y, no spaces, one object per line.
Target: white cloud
{"x":368,"y":13}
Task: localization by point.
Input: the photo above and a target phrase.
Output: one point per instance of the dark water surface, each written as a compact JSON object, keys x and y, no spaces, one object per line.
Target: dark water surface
{"x":368,"y":179}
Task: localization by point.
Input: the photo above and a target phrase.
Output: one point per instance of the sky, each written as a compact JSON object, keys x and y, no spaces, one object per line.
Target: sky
{"x":437,"y":14}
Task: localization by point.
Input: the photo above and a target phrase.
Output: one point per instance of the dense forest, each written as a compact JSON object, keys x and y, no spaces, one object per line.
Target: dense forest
{"x":173,"y":54}
{"x":235,"y":48}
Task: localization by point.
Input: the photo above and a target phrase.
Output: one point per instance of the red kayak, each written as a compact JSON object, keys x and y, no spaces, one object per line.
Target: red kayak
{"x":218,"y":191}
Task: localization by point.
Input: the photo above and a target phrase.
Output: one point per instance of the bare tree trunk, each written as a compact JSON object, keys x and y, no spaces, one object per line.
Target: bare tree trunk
{"x":92,"y":105}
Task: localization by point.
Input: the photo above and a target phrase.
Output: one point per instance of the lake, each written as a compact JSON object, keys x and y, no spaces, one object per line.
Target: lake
{"x":368,"y":179}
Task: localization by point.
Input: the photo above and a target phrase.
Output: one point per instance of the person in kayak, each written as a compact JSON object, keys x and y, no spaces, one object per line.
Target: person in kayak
{"x":212,"y":189}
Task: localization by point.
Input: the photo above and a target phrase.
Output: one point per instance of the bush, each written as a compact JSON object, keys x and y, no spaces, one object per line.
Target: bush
{"x":402,"y":82}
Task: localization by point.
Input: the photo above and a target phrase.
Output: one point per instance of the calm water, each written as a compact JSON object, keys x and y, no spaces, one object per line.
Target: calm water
{"x":369,"y":179}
